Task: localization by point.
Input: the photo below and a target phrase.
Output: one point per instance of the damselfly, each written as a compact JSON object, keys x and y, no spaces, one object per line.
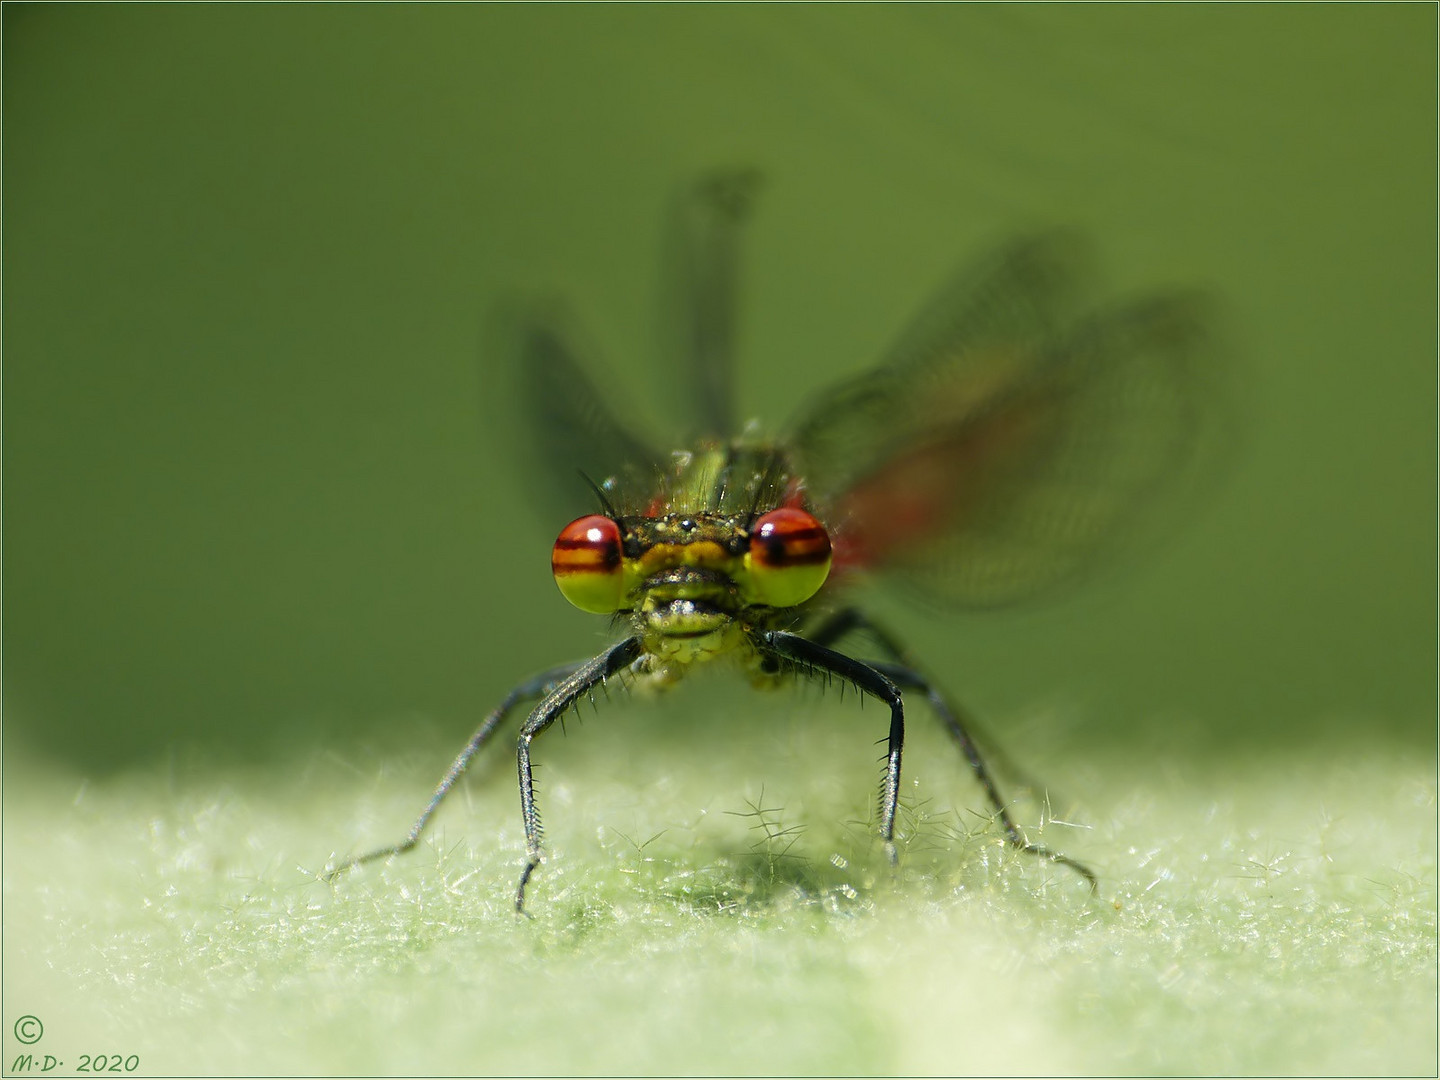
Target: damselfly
{"x":1008,"y":438}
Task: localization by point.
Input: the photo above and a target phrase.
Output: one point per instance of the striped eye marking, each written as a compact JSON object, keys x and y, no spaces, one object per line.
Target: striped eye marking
{"x":586,"y":561}
{"x":789,"y":557}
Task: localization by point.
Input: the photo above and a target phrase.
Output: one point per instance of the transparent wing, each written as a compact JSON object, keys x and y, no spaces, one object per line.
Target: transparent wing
{"x":701,"y":262}
{"x":573,"y":429}
{"x":1010,"y":440}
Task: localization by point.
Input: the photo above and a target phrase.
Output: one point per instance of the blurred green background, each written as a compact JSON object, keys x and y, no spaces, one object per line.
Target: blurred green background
{"x":270,"y":547}
{"x":259,"y":481}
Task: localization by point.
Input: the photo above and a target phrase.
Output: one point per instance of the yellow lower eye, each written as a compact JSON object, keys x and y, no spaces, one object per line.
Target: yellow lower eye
{"x":789,"y":557}
{"x":586,"y":561}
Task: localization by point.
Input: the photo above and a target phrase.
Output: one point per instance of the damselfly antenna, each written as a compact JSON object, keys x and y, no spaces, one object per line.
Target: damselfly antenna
{"x":605,"y":503}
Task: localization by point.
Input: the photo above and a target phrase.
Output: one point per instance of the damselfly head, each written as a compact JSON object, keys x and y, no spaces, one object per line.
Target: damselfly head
{"x":778,"y":559}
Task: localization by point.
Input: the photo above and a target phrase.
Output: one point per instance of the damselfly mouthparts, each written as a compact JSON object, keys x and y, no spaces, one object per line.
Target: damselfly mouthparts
{"x":1010,"y":436}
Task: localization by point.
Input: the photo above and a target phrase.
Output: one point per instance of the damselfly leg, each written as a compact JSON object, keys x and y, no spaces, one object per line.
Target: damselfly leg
{"x":902,"y":672}
{"x":541,"y":685}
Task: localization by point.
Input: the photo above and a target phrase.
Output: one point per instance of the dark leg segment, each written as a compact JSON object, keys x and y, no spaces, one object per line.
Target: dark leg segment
{"x":814,"y":657}
{"x":541,"y":684}
{"x":560,"y":695}
{"x":903,"y":673}
{"x":913,"y":680}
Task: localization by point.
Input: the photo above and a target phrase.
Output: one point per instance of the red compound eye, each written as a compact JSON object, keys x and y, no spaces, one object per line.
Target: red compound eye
{"x":789,"y":557}
{"x":587,"y":564}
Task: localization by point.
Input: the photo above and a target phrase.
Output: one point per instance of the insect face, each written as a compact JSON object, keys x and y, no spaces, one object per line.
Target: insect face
{"x":686,"y":575}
